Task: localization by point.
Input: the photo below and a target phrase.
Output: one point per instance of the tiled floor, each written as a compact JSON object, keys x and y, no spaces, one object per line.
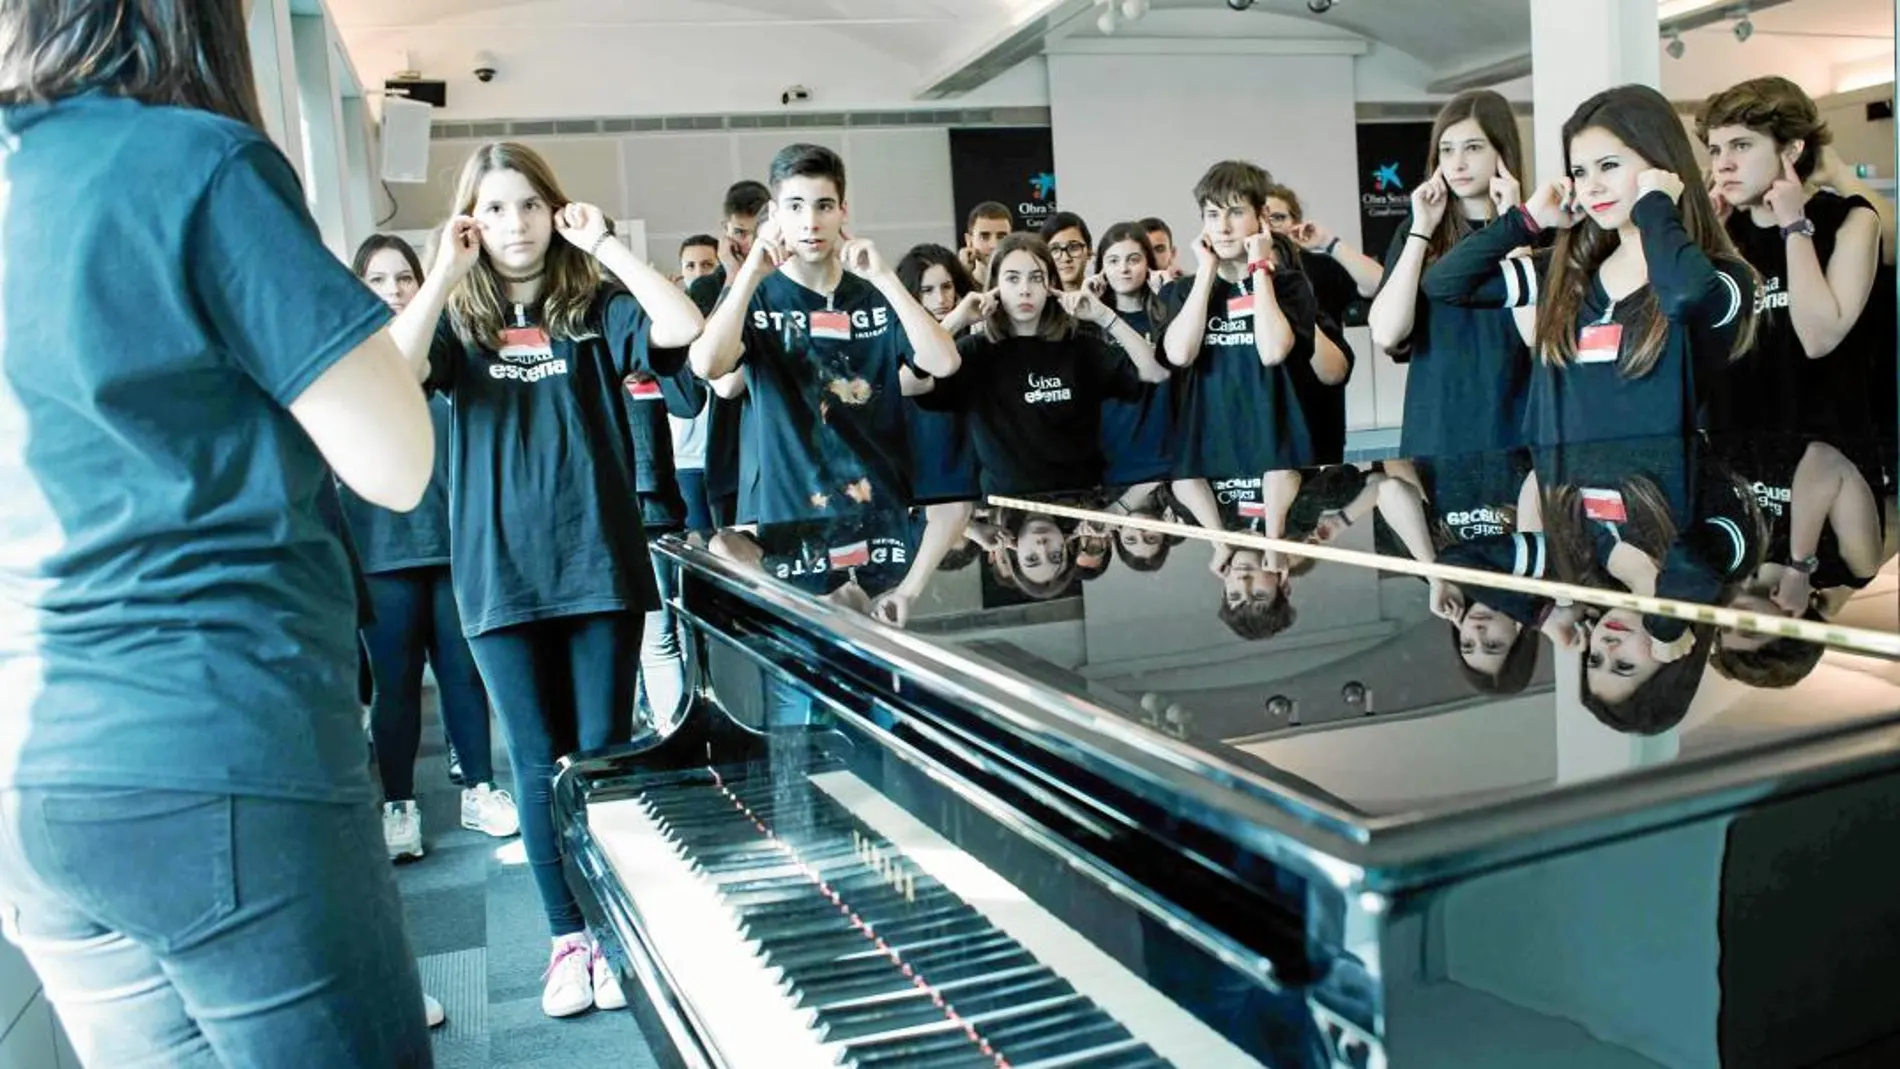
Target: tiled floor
{"x":477,"y":929}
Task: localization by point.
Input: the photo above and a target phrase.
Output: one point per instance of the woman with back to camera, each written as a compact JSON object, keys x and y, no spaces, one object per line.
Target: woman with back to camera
{"x":406,"y":561}
{"x":189,"y":852}
{"x":1644,"y":300}
{"x":1467,"y":369}
{"x":552,"y":573}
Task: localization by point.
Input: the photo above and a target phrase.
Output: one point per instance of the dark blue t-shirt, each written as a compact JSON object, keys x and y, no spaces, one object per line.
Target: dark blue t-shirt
{"x":543,"y":522}
{"x":826,"y":420}
{"x":1138,"y":435}
{"x":174,"y":611}
{"x":393,"y":541}
{"x":1239,"y":417}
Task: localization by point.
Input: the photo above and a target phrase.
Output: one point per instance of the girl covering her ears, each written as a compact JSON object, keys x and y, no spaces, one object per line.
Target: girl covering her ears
{"x":1642,"y":302}
{"x":1468,"y":372}
{"x":943,"y":459}
{"x":1033,"y":384}
{"x":552,"y":572}
{"x":1137,"y":436}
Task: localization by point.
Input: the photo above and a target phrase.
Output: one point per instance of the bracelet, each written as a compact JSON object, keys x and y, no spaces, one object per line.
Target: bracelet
{"x":1330,"y":246}
{"x":1260,"y":265}
{"x":1529,"y":219}
{"x":593,"y":251}
{"x":1426,"y":238}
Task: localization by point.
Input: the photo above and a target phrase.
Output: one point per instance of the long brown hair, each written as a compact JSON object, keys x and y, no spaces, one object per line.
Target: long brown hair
{"x":182,"y":53}
{"x":1494,"y":117}
{"x":1151,"y":302}
{"x":1643,"y":119}
{"x":572,"y":281}
{"x":376,"y":243}
{"x":1056,"y":323}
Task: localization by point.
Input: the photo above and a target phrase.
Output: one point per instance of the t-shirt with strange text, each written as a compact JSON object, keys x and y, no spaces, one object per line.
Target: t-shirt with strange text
{"x":825,"y":430}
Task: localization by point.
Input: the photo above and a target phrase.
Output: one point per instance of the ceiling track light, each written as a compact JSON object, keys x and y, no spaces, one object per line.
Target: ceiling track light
{"x":1675,"y":47}
{"x":1745,"y":28}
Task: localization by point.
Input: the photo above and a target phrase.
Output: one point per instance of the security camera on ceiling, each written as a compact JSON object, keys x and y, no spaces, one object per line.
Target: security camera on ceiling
{"x":484,"y":67}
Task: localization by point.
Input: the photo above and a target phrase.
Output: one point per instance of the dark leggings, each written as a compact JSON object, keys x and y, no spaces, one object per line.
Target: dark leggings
{"x":415,"y":615}
{"x":559,"y":686}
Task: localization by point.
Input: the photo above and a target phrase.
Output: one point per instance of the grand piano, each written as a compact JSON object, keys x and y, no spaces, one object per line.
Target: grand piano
{"x":1117,"y":826}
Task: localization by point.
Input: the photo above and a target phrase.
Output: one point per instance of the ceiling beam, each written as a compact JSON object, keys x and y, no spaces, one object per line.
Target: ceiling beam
{"x":1021,"y":39}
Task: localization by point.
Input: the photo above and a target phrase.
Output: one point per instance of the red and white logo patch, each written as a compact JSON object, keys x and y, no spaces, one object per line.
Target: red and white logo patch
{"x":829,"y":324}
{"x":851,"y":556}
{"x":1605,"y":506}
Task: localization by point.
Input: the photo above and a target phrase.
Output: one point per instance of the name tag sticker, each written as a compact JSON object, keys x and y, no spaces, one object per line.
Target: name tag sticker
{"x":643,"y":389}
{"x":854,"y":555}
{"x":831,"y":324}
{"x":1240,"y":305}
{"x":1605,"y":506}
{"x":525,"y":341}
{"x":1599,"y":343}
{"x":1254,"y":510}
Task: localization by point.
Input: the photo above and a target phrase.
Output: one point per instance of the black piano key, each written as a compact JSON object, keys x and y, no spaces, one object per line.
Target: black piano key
{"x":904,"y":988}
{"x":949,"y":970}
{"x":736,"y":893}
{"x":822,"y":914}
{"x":717,"y":862}
{"x":923,"y":1051}
{"x":1123,"y":1054}
{"x":921,"y":955}
{"x":972,"y":999}
{"x":892,"y":1048}
{"x":878,"y":898}
{"x":820,"y":950}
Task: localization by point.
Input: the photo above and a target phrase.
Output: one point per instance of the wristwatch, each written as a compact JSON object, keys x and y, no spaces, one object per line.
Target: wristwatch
{"x":1806,"y":565}
{"x":1803,"y":227}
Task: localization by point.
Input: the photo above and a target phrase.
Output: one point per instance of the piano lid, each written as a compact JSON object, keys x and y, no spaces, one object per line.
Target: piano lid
{"x":1481,"y":630}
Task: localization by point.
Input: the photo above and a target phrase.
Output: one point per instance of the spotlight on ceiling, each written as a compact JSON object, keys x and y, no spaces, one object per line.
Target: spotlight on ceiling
{"x":1744,"y":29}
{"x":1320,"y":7}
{"x":1134,"y":9}
{"x":1674,"y":47}
{"x":1107,"y":21}
{"x":1240,"y":5}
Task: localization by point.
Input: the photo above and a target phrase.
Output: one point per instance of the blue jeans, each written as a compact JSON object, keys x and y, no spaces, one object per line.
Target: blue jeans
{"x":416,"y":615}
{"x":181,"y":929}
{"x":559,"y":686}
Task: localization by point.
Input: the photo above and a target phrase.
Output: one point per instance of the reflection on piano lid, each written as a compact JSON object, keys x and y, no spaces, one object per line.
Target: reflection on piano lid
{"x":815,"y":923}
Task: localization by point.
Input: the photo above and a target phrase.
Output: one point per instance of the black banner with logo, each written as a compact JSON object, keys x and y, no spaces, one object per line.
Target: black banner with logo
{"x":1015,"y":166}
{"x":1391,"y":164}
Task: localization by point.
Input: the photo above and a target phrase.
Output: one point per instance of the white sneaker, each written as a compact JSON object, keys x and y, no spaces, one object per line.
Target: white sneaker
{"x":432,"y":1010}
{"x":402,"y":830}
{"x":607,"y":992}
{"x":490,"y":810}
{"x":570,"y":988}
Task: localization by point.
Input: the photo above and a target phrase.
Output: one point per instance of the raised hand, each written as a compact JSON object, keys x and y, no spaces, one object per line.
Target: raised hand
{"x":459,"y":248}
{"x":1448,"y":602}
{"x":1428,"y":202}
{"x":1310,"y":236}
{"x":975,"y":263}
{"x":1205,"y":258}
{"x":1506,"y":193}
{"x":1259,"y":247}
{"x":581,"y":224}
{"x":1723,"y":209}
{"x":1096,"y":284}
{"x":768,"y":241}
{"x":861,"y":258}
{"x":1787,"y":197}
{"x":1085,"y":306}
{"x":1555,"y":205}
{"x":1656,"y":178}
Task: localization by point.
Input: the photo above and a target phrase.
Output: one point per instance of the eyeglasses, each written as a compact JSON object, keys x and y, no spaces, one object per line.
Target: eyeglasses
{"x":1069,"y":250}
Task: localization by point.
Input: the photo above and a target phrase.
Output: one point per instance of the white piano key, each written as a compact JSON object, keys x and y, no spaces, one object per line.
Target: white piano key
{"x":1171,"y":1031}
{"x":734,"y":995}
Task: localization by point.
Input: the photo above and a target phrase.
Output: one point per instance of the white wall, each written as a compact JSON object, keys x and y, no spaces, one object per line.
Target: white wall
{"x":1134,"y":133}
{"x":676,"y":70}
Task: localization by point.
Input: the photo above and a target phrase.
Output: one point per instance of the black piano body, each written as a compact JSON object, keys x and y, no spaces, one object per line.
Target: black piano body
{"x":925,"y":857}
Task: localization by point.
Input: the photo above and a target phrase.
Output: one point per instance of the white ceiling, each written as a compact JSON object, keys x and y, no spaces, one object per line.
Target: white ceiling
{"x":1443,"y":36}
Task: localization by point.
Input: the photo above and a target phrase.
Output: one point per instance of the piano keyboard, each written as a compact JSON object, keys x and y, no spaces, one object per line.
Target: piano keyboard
{"x":812,"y":922}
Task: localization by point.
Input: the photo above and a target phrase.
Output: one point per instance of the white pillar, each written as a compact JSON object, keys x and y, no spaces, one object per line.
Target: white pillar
{"x":1579,"y":50}
{"x":319,"y":93}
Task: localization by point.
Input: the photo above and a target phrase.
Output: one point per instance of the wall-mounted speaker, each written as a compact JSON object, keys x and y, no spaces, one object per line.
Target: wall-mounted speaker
{"x":405,"y":141}
{"x":428,"y":92}
{"x":1879,"y":109}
